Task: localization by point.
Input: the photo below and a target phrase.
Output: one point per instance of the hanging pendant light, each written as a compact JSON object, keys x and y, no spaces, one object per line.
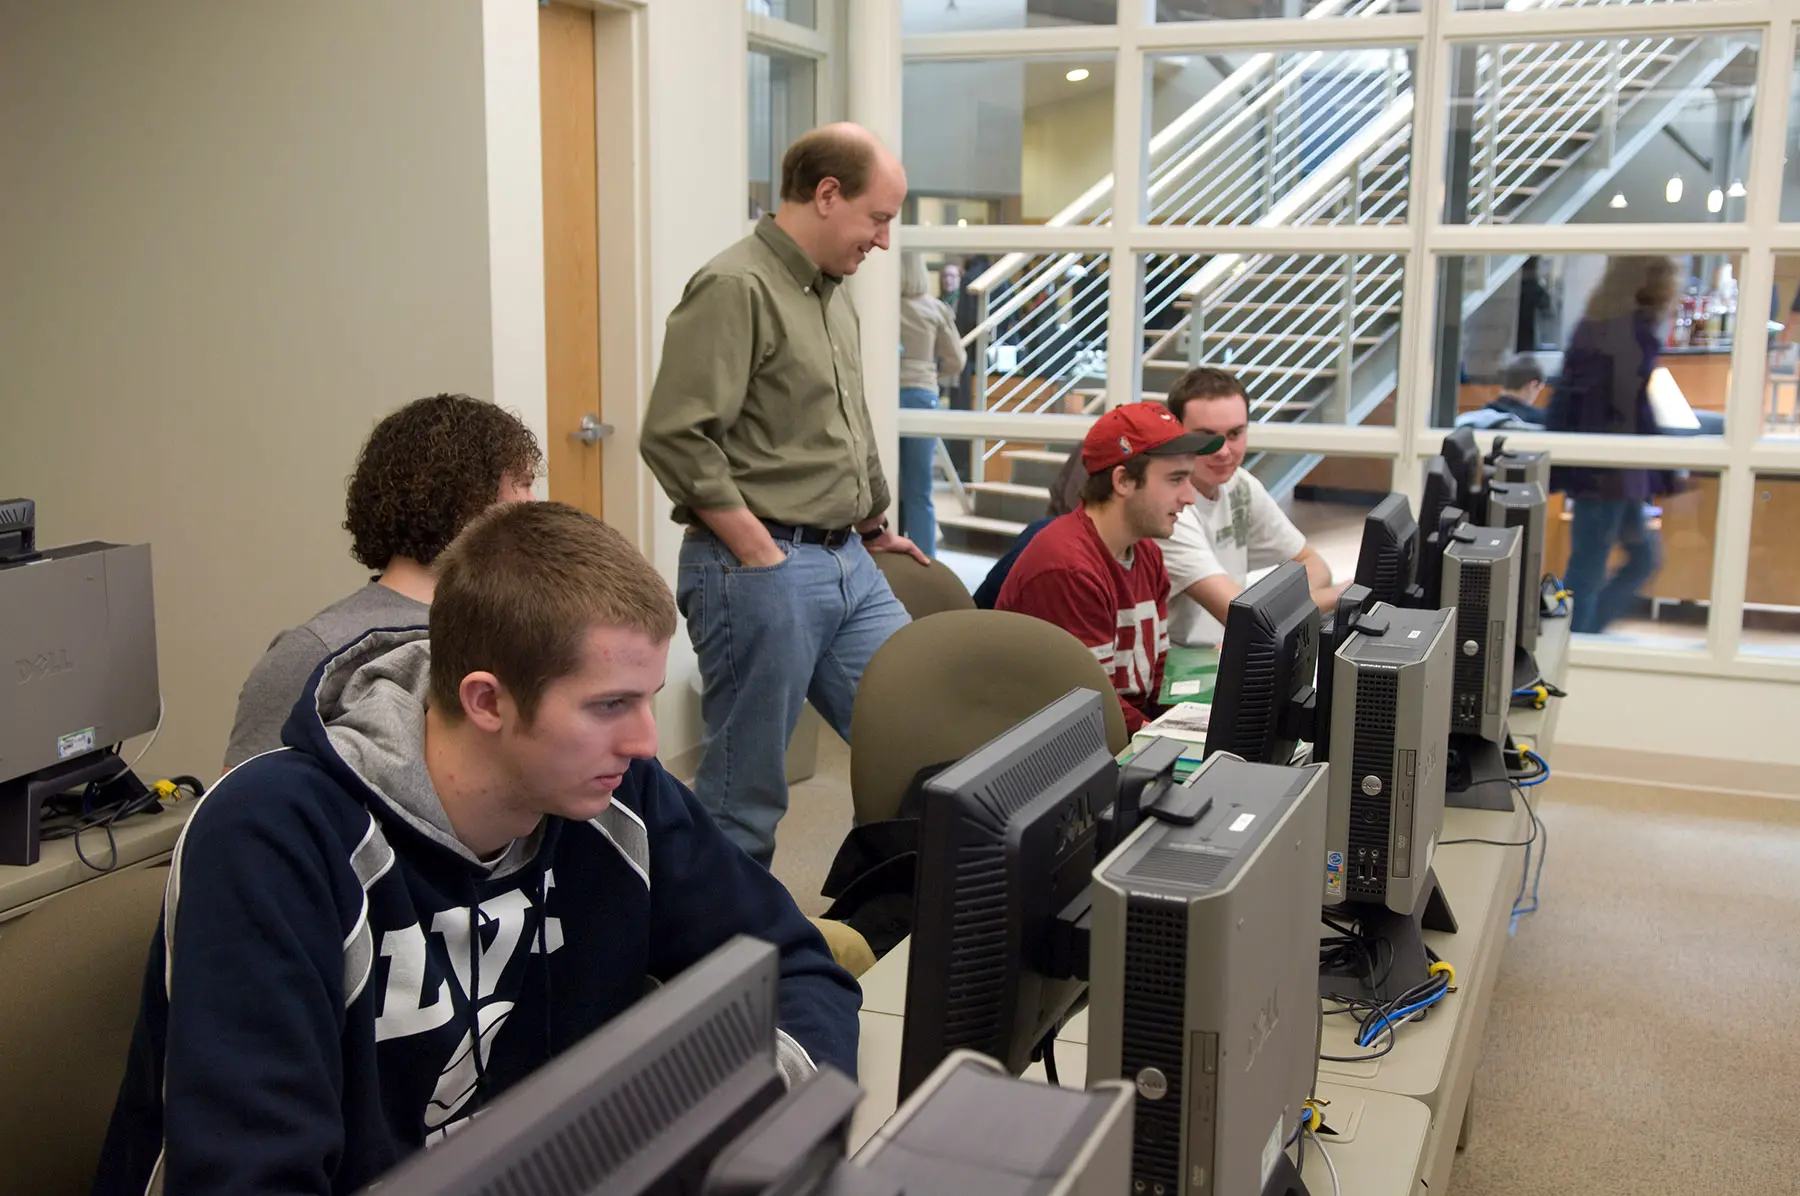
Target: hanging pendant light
{"x":1672,"y":192}
{"x":1736,"y":190}
{"x":1715,"y":200}
{"x":1618,"y":200}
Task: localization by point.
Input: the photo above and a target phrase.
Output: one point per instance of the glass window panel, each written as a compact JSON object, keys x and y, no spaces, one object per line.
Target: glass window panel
{"x":1315,"y":338}
{"x":1504,"y":318}
{"x":1781,"y":389}
{"x":1522,"y":5}
{"x":1004,"y":141}
{"x":1640,"y":569}
{"x":1302,"y":137}
{"x":799,"y":12}
{"x":965,"y":16}
{"x":1650,"y":128}
{"x":1331,"y":495}
{"x":1772,"y":585}
{"x":782,"y":106}
{"x":1790,"y":174}
{"x":1246,"y":10}
{"x":979,"y":520}
{"x":1034,"y":326}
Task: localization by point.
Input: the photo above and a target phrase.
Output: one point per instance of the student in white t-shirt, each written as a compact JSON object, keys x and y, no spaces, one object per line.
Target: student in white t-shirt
{"x":1235,"y":527}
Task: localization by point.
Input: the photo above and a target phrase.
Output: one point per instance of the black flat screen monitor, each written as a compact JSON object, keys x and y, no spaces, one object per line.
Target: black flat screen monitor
{"x":640,"y":1107}
{"x":1463,"y":455}
{"x":1351,"y":602}
{"x":1270,"y":653}
{"x":1007,"y":839}
{"x":1388,"y":564}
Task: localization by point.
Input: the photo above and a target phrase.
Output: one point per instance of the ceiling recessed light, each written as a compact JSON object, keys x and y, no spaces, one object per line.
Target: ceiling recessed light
{"x":1672,"y":192}
{"x":1736,"y":190}
{"x":1618,"y":200}
{"x":1077,"y":75}
{"x":1715,"y":200}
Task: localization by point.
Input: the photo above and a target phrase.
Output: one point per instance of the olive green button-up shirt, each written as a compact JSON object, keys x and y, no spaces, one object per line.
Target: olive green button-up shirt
{"x":759,"y":399}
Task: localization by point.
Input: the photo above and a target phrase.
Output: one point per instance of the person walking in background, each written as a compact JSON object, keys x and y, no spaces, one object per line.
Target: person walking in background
{"x":1605,"y":389}
{"x":758,"y":430}
{"x":930,"y":351}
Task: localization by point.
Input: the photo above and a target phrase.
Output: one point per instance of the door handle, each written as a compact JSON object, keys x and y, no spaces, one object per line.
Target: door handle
{"x":592,"y":431}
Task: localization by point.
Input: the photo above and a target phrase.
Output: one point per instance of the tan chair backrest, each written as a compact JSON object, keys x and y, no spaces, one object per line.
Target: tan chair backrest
{"x":943,"y":686}
{"x":924,"y":590}
{"x":74,"y":976}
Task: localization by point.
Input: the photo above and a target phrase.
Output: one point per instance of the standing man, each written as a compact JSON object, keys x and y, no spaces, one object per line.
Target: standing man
{"x":1097,"y":572}
{"x":758,"y":431}
{"x":1236,"y":526}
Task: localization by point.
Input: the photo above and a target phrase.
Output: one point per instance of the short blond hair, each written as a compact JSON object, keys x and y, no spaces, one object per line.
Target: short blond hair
{"x":519,"y":589}
{"x":914,"y":281}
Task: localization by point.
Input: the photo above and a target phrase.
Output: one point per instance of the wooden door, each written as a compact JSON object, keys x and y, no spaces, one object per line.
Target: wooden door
{"x":571,"y":251}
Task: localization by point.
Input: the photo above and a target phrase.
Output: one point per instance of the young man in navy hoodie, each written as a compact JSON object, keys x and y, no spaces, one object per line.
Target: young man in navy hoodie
{"x":465,"y":859}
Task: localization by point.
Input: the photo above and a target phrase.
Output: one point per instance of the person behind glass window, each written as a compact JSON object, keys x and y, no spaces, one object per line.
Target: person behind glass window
{"x":1604,"y":389}
{"x":930,"y":352}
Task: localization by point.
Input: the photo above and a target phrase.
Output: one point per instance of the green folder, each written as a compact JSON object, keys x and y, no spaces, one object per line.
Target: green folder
{"x":1189,"y":675}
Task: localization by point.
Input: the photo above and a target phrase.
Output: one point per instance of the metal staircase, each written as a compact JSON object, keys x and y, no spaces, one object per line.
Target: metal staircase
{"x":1309,"y":138}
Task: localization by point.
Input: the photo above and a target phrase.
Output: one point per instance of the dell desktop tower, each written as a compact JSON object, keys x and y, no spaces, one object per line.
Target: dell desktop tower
{"x":1203,"y":978}
{"x":1481,"y":576}
{"x":1523,"y":505}
{"x":1517,"y":467}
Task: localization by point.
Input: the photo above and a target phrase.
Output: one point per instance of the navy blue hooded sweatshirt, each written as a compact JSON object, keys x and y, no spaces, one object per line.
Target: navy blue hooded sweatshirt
{"x":330,"y":953}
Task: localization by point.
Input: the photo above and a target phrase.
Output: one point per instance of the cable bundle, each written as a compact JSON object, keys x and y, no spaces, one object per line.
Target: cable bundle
{"x":68,"y":816}
{"x":1377,"y":1021}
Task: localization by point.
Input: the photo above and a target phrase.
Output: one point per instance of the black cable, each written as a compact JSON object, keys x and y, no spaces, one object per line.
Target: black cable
{"x":1050,"y":1063}
{"x":1524,"y":797}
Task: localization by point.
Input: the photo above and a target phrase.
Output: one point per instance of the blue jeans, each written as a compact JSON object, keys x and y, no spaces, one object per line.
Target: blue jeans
{"x":769,"y":639}
{"x":918,"y":513}
{"x":1598,"y":524}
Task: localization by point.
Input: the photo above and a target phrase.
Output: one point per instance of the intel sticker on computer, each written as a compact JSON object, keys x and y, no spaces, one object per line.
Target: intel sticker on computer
{"x":75,"y":743}
{"x":1334,"y":874}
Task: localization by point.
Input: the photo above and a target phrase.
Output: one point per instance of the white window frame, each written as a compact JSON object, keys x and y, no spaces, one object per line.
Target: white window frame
{"x":821,"y":45}
{"x":1737,"y":457}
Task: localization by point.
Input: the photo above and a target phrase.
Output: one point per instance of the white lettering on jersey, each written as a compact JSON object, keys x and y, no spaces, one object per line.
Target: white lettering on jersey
{"x":409,"y":1007}
{"x":1134,"y":663}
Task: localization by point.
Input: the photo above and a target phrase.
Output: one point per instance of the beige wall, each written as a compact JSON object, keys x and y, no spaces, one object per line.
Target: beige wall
{"x":1068,"y":148}
{"x":1726,"y":720}
{"x":234,"y":235}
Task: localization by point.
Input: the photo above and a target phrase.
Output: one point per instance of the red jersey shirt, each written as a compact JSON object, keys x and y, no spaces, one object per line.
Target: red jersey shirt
{"x":1067,"y":576}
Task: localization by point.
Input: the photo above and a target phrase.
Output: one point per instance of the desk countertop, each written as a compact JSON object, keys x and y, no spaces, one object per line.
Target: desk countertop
{"x":1378,"y":1142}
{"x":145,"y":839}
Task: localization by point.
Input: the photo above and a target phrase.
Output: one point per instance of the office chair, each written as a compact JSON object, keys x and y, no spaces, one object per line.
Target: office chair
{"x":947,"y":684}
{"x":74,"y":969}
{"x":924,"y":590}
{"x":938,"y":689}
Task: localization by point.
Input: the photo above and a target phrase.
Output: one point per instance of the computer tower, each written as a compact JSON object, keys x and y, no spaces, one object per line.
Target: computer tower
{"x":1203,"y":977}
{"x":1390,"y":726}
{"x":1481,"y":576}
{"x":1523,"y":505}
{"x":1517,"y":467}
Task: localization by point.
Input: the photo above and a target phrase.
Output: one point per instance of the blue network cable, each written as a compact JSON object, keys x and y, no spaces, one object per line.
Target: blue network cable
{"x":1520,"y":909}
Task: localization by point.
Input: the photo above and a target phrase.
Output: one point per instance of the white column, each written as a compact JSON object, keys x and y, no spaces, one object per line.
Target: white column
{"x":872,"y":69}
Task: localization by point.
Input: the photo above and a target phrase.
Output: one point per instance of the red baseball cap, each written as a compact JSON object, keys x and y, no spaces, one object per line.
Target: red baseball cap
{"x":1141,"y":430}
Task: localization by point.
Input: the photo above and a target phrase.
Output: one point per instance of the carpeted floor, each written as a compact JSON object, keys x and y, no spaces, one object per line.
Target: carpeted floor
{"x":1645,"y":1035}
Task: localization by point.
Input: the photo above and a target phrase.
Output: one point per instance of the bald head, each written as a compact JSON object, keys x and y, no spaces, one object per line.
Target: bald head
{"x":840,"y":190}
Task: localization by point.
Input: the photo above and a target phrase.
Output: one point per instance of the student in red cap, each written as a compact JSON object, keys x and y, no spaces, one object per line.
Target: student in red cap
{"x":1098,"y":572}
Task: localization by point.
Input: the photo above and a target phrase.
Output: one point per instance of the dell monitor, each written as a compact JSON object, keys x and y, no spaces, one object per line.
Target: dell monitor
{"x":640,"y":1107}
{"x":1270,"y":654}
{"x":1352,"y":601}
{"x":1463,"y":456}
{"x":1204,"y":978}
{"x":1007,"y":839}
{"x":1439,"y":516}
{"x":1388,"y":563}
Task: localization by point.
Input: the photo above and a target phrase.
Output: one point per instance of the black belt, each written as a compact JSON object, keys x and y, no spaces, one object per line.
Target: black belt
{"x":825,"y":537}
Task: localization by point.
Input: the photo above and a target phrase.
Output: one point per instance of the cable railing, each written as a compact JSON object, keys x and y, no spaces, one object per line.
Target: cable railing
{"x":1309,"y":137}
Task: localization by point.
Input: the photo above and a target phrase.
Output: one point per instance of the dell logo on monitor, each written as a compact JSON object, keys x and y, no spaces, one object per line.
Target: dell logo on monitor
{"x":45,"y":664}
